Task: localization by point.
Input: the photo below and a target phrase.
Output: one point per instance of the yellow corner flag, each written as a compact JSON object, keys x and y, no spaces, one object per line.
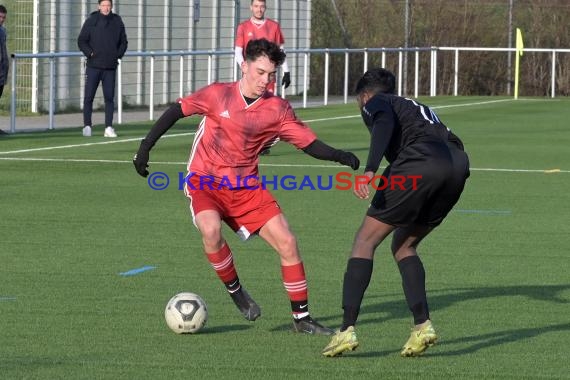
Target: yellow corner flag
{"x":520,"y":44}
{"x":519,"y":53}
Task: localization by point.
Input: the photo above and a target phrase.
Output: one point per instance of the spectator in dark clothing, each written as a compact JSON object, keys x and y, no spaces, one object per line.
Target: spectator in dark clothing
{"x":4,"y":59}
{"x":103,"y":41}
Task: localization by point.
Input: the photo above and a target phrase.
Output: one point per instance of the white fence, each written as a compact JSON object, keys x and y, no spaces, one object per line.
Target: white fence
{"x":52,"y":26}
{"x":135,"y":87}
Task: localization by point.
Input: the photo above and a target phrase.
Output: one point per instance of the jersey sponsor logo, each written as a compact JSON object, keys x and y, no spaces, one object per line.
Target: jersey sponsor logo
{"x":225,"y":114}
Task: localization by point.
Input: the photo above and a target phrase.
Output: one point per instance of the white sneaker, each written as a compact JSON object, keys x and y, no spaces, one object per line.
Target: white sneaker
{"x":110,"y":132}
{"x":87,"y":131}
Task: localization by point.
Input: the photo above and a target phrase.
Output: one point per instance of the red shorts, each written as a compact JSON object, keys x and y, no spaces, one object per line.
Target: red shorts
{"x":244,"y":210}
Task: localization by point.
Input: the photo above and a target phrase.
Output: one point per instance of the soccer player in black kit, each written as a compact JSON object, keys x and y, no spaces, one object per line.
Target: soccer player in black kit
{"x":416,"y":143}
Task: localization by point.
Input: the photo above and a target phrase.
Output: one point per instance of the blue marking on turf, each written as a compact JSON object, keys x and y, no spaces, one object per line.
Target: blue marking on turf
{"x":136,"y":271}
{"x":485,"y":212}
{"x":7,"y":299}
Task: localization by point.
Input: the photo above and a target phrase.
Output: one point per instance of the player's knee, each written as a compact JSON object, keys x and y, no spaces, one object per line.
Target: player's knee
{"x":211,"y":234}
{"x":395,"y":246}
{"x":366,"y":240}
{"x":403,"y":252}
{"x":363,"y":248}
{"x":287,"y":246}
{"x":289,"y":242}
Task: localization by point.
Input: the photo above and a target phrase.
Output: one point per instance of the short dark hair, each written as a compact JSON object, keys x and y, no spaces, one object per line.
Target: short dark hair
{"x":261,"y":47}
{"x":263,"y":1}
{"x":3,"y":9}
{"x":376,"y":80}
{"x":100,"y":1}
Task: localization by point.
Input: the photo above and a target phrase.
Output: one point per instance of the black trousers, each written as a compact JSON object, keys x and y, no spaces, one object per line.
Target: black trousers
{"x":92,"y":78}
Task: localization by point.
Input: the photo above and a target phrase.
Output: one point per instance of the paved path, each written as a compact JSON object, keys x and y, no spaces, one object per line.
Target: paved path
{"x":71,"y":120}
{"x":75,"y":120}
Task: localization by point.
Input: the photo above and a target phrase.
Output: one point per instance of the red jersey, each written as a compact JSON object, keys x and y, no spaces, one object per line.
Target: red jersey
{"x":248,"y":30}
{"x":232,"y":134}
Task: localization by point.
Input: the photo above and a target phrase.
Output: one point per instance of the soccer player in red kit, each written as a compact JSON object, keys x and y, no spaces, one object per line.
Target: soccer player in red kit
{"x":240,"y":118}
{"x":260,"y":27}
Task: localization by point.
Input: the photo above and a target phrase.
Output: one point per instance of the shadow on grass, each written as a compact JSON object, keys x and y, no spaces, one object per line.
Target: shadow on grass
{"x":474,"y":342}
{"x":224,"y":329}
{"x":441,"y":299}
{"x":478,"y":342}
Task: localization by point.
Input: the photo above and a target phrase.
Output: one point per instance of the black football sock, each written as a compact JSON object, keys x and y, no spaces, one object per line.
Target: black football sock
{"x":414,"y":284}
{"x":300,"y":309}
{"x":233,"y":285}
{"x":356,"y":280}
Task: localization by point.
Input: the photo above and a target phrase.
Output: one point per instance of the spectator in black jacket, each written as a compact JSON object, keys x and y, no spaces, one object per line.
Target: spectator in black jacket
{"x":4,"y":58}
{"x":103,"y":40}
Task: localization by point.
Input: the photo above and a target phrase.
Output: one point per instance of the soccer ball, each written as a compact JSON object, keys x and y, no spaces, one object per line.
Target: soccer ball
{"x":186,"y":313}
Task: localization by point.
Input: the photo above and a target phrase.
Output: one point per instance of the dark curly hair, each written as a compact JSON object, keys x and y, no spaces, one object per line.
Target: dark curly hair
{"x":261,"y":47}
{"x":376,"y":80}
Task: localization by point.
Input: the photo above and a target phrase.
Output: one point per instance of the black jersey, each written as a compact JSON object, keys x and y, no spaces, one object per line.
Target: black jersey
{"x":396,"y":122}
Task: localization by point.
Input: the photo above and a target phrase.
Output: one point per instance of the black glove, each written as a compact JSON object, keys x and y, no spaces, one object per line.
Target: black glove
{"x":286,"y":81}
{"x":348,"y":159}
{"x":140,"y":160}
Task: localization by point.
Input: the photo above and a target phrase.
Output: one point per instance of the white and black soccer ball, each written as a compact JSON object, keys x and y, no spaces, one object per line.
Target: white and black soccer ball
{"x":186,"y":313}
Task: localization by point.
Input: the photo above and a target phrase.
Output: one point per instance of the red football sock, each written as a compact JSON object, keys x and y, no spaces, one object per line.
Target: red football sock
{"x":295,"y":284}
{"x":223,"y":263}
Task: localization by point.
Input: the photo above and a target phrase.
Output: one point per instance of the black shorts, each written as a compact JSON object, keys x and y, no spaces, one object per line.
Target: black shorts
{"x":421,"y":186}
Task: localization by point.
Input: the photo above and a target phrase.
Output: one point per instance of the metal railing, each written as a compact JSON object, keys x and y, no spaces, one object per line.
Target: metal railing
{"x":53,"y":57}
{"x":306,"y":55}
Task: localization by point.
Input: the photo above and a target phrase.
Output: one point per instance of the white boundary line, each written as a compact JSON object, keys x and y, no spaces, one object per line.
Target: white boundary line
{"x":90,"y":144}
{"x":545,"y":171}
{"x":192,"y":133}
{"x":473,"y":104}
